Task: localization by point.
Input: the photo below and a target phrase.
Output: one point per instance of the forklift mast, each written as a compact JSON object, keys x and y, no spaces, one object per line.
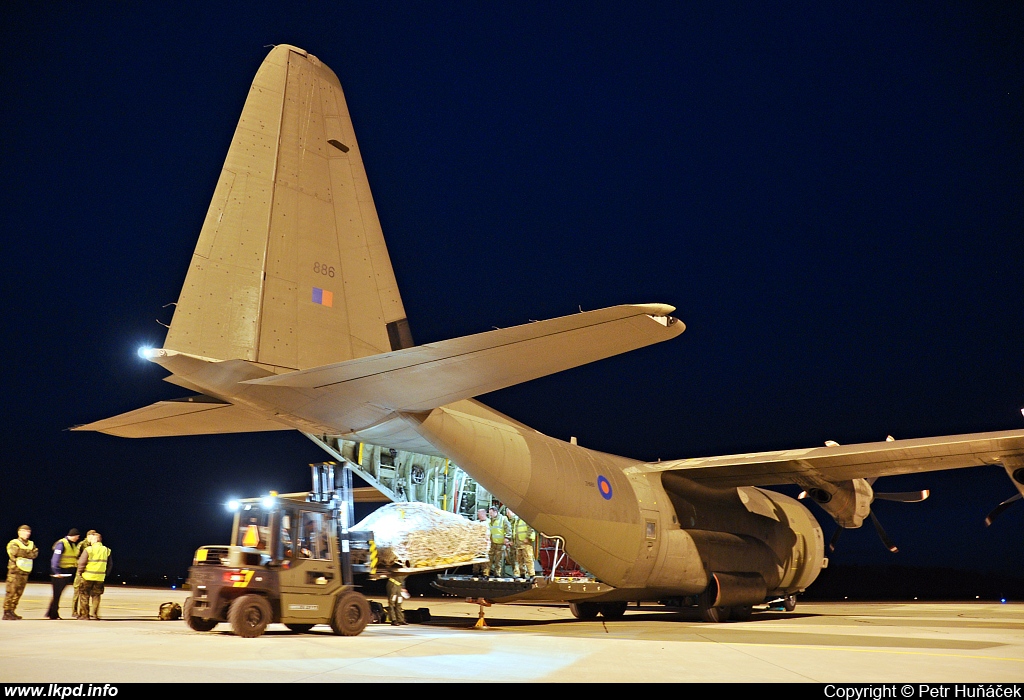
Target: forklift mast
{"x":339,"y":497}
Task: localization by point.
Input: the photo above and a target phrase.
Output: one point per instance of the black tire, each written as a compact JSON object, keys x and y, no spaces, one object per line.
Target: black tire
{"x":708,"y":612}
{"x":789,"y":602}
{"x":584,"y":611}
{"x":250,"y":615}
{"x":195,"y":623}
{"x":741,"y":613}
{"x":613,"y":611}
{"x":351,"y":614}
{"x":299,"y":629}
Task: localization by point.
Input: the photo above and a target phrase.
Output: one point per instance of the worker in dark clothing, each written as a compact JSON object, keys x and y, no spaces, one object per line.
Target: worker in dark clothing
{"x":63,"y":566}
{"x":396,"y":596}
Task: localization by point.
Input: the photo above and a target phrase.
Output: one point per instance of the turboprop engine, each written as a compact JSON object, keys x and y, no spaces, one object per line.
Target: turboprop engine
{"x":753,"y":543}
{"x":848,"y":502}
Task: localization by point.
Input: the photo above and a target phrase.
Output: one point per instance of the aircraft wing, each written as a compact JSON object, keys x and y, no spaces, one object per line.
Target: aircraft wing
{"x":192,"y":415}
{"x":842,"y":462}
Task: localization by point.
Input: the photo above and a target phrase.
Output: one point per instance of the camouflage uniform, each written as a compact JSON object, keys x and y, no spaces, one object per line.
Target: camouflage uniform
{"x":77,"y":609}
{"x":500,"y":530}
{"x":19,"y":555}
{"x":76,"y":599}
{"x":396,"y":584}
{"x":94,"y":563}
{"x":522,"y":540}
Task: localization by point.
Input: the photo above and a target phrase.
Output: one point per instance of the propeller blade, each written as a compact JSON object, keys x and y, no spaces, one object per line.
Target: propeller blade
{"x":835,"y":538}
{"x":881,"y":533}
{"x":904,"y":496}
{"x":1001,"y":507}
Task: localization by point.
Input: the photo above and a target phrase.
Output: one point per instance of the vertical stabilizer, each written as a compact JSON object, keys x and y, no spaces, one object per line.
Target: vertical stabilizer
{"x":291,"y":269}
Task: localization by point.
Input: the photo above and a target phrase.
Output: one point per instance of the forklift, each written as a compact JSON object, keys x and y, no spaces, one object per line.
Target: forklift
{"x":292,"y":559}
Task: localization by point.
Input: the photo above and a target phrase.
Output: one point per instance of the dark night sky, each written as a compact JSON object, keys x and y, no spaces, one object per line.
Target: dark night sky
{"x":829,"y":193}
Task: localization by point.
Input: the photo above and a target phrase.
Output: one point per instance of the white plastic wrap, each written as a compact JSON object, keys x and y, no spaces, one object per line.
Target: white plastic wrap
{"x":417,"y":535}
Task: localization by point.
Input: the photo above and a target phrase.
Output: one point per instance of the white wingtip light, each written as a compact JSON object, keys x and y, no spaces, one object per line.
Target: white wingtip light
{"x":148,"y":353}
{"x":831,"y":443}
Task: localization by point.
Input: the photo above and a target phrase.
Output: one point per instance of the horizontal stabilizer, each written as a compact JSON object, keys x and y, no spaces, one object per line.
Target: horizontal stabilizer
{"x":426,"y":376}
{"x":193,"y":415}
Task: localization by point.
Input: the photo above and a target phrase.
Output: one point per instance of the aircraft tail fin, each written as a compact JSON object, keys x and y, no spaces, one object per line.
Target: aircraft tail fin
{"x":291,"y":270}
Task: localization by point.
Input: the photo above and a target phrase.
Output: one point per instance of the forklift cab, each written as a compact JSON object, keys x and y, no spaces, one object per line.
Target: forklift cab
{"x":282,"y":532}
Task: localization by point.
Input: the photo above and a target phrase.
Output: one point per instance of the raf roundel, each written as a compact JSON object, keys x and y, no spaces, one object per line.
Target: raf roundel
{"x":605,"y":488}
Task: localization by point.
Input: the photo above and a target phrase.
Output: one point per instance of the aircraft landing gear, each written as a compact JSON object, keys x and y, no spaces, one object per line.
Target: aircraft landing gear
{"x":789,"y":602}
{"x":706,"y":608}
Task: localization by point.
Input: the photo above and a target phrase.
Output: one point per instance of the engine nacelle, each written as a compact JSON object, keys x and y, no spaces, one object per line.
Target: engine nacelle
{"x":747,"y":542}
{"x":848,"y":502}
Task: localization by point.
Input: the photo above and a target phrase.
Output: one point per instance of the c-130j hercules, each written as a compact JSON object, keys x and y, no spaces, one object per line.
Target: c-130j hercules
{"x":290,"y":318}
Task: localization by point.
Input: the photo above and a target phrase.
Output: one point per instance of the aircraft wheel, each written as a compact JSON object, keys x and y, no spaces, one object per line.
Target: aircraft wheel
{"x":741,"y":613}
{"x":195,"y":623}
{"x":613,"y":611}
{"x":351,"y":614}
{"x":708,"y":612}
{"x":584,"y":611}
{"x":250,"y":615}
{"x":789,"y":602}
{"x":299,"y":629}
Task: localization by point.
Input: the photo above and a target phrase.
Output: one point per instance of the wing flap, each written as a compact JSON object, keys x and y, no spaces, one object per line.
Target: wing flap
{"x":194,"y":415}
{"x":867,"y":460}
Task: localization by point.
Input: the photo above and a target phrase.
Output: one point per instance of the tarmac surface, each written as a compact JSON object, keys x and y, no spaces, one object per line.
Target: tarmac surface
{"x":918,"y":642}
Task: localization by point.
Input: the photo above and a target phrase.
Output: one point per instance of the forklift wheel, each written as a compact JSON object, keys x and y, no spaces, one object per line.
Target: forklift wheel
{"x":299,"y":629}
{"x":249,"y":615}
{"x":351,"y":614}
{"x":196,"y":623}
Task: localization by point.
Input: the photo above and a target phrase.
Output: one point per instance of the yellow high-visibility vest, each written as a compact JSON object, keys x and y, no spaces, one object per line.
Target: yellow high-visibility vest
{"x":498,"y":529}
{"x":23,"y":563}
{"x":524,"y":533}
{"x":69,"y":557}
{"x":96,"y":567}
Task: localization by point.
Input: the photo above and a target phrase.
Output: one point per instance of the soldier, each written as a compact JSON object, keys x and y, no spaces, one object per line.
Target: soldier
{"x":20,"y":553}
{"x":76,"y":600}
{"x":396,"y":596}
{"x":63,"y":566}
{"x":500,"y":531}
{"x":94,"y":563}
{"x":523,"y":537}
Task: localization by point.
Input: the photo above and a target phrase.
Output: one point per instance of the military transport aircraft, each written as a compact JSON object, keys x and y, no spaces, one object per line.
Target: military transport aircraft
{"x":290,"y":319}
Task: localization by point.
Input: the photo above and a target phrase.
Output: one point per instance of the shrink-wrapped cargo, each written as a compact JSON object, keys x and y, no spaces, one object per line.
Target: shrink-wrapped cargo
{"x":419,"y":535}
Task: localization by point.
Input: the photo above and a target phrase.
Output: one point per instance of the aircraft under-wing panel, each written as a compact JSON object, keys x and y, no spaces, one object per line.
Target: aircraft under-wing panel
{"x":842,"y":463}
{"x":290,"y":317}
